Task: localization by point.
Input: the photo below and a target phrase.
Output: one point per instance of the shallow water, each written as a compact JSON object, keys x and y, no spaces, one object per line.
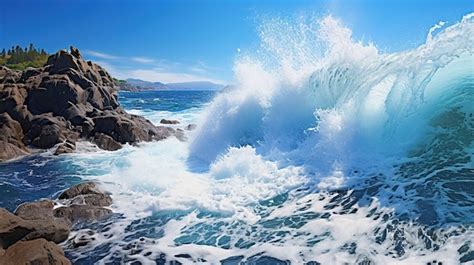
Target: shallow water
{"x":318,"y":155}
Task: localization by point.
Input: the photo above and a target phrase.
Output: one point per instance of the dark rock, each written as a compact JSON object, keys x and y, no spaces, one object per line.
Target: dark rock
{"x":75,"y":52}
{"x":106,"y":142}
{"x":77,"y":212}
{"x":34,"y":252}
{"x":46,"y":131}
{"x":165,"y":121}
{"x":82,"y":238}
{"x":191,"y":127}
{"x":49,"y":136}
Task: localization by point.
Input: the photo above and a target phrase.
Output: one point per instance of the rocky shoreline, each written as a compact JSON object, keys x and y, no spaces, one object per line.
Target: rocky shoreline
{"x":30,"y":235}
{"x":66,"y":100}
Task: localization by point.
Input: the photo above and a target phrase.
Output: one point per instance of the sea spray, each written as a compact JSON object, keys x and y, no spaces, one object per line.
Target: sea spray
{"x":326,"y":150}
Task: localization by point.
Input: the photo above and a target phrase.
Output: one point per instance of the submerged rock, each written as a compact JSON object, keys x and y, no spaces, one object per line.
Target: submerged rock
{"x":191,"y":127}
{"x":66,"y":99}
{"x":82,"y":238}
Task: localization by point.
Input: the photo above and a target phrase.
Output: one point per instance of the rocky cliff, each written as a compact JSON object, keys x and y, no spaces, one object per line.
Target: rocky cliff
{"x":66,"y":100}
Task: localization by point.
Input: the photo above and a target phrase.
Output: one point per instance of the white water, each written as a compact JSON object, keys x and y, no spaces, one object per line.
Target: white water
{"x":316,"y":115}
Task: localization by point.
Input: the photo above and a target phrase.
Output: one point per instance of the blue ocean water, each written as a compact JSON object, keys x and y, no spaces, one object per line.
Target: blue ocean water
{"x":326,"y":151}
{"x":43,"y":175}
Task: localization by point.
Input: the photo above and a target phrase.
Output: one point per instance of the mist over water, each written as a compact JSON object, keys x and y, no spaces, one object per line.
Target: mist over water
{"x":326,"y":150}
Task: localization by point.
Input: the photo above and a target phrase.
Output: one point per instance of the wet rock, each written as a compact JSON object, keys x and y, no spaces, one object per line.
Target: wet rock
{"x":103,"y":141}
{"x":165,"y":121}
{"x":67,"y":147}
{"x":93,"y":200}
{"x":80,"y":189}
{"x":85,"y":202}
{"x":34,"y":252}
{"x":82,"y":238}
{"x":78,"y":212}
{"x":191,"y":127}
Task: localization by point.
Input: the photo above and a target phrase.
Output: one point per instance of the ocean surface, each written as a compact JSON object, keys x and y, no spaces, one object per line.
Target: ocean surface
{"x":326,"y":151}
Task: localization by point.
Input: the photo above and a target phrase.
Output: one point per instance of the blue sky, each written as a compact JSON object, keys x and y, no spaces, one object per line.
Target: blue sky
{"x":178,"y":40}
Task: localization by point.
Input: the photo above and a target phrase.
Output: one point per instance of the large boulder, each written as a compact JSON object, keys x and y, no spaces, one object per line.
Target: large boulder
{"x":40,"y":216}
{"x":12,"y":228}
{"x":34,"y":252}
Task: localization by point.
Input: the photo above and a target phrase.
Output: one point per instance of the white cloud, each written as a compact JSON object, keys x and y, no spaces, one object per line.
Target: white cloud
{"x":159,"y":70}
{"x":156,"y":75}
{"x":142,"y":60}
{"x":101,"y":55}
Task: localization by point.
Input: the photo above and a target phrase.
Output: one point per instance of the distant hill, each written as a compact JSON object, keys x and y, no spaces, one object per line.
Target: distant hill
{"x":197,"y":85}
{"x":133,"y":84}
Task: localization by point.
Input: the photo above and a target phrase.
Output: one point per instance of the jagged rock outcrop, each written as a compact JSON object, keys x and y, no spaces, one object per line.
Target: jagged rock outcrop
{"x":67,"y":99}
